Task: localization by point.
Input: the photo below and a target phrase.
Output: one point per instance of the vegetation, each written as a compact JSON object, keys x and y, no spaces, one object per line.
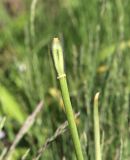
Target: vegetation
{"x":59,"y":65}
{"x":95,"y":39}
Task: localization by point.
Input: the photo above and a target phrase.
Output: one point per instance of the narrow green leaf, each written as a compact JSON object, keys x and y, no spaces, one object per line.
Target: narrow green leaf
{"x":2,"y":122}
{"x":10,"y":106}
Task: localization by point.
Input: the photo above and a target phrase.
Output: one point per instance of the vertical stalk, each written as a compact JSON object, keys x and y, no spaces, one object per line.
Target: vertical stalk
{"x":59,"y":65}
{"x":96,"y":128}
{"x":2,"y":122}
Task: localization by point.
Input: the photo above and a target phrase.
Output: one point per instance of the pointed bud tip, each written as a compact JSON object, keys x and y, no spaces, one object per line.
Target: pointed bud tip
{"x":56,"y":43}
{"x":96,"y":96}
{"x":55,"y":40}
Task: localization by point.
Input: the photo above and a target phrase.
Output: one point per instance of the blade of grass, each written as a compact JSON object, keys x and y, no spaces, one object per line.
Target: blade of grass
{"x":3,"y":153}
{"x":32,"y":20}
{"x":59,"y":65}
{"x":24,"y":157}
{"x":96,"y":128}
{"x":2,"y":122}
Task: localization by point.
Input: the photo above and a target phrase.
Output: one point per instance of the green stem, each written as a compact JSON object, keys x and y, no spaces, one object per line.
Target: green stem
{"x":59,"y":66}
{"x":96,"y":129}
{"x":70,"y":117}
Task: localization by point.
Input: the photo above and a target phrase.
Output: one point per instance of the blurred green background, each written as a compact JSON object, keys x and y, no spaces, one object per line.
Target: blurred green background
{"x":96,"y":40}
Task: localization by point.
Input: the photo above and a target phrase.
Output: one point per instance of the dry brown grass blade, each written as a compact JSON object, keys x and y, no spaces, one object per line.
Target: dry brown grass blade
{"x":24,"y":129}
{"x":60,"y":130}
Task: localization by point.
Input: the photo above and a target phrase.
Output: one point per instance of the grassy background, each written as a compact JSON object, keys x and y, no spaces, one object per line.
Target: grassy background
{"x":95,"y":37}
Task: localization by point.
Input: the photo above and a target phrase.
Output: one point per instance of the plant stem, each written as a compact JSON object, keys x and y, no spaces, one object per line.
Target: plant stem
{"x":70,"y":117}
{"x":96,"y":128}
{"x":59,"y":65}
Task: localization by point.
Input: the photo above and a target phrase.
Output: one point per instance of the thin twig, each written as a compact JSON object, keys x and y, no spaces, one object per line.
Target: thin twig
{"x":60,"y":130}
{"x":25,"y":127}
